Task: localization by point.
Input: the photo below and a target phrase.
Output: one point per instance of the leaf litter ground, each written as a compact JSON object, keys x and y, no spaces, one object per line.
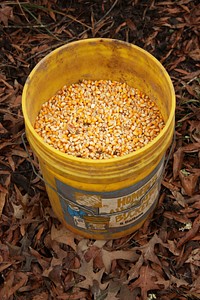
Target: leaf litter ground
{"x":39,"y":258}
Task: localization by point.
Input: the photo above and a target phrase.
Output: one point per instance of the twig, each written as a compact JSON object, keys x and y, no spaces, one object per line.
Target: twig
{"x":107,"y":13}
{"x":74,"y":38}
{"x":27,"y":26}
{"x":23,"y":12}
{"x":26,"y":4}
{"x":42,"y":24}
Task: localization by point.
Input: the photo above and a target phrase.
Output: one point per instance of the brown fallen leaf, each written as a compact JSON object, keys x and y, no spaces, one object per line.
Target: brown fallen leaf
{"x":112,"y":290}
{"x":196,"y":205}
{"x":6,"y":13}
{"x":146,"y":281}
{"x":178,"y":281}
{"x":188,"y":182}
{"x":179,"y":156}
{"x":2,"y":201}
{"x":41,"y":296}
{"x":172,"y":248}
{"x":190,"y":90}
{"x":192,"y":75}
{"x":75,"y":294}
{"x":4,"y":192}
{"x":194,"y":257}
{"x":18,"y":211}
{"x":43,"y":261}
{"x":109,"y":256}
{"x":134,"y":270}
{"x":191,"y":233}
{"x":148,"y":250}
{"x":14,"y":281}
{"x":179,"y":198}
{"x":195,"y":54}
{"x":176,"y":216}
{"x":62,"y":235}
{"x":178,"y":160}
{"x":125,"y":293}
{"x":173,"y":281}
{"x":196,"y":287}
{"x":131,"y":24}
{"x":86,"y":270}
{"x":170,"y":186}
{"x":195,"y":130}
{"x":94,"y":253}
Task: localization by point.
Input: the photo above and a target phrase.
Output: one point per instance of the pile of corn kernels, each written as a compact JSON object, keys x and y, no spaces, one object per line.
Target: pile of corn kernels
{"x":99,"y":119}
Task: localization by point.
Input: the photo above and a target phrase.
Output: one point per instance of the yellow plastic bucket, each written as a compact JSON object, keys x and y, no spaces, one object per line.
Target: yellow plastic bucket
{"x":109,"y":198}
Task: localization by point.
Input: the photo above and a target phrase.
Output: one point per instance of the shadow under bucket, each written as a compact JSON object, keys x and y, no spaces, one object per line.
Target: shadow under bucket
{"x":109,"y":198}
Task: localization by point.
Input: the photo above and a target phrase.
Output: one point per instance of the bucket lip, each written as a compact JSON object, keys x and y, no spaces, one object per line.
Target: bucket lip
{"x":89,"y":161}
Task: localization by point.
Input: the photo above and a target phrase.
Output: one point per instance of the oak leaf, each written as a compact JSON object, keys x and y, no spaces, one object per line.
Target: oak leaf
{"x":86,"y":270}
{"x":195,"y":290}
{"x":135,"y":269}
{"x":194,"y":257}
{"x":178,"y":281}
{"x":6,"y":13}
{"x":109,"y":256}
{"x":179,"y":156}
{"x":191,"y":233}
{"x":62,"y":235}
{"x":188,"y":182}
{"x":172,"y":248}
{"x":148,"y":251}
{"x":103,"y":257}
{"x":146,"y":281}
{"x":113,"y":290}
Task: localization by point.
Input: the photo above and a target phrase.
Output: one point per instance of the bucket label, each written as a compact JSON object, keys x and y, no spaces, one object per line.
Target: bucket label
{"x":98,"y":212}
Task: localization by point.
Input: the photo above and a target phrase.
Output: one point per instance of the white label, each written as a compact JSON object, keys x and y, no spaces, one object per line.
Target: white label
{"x":133,"y":214}
{"x":131,"y":200}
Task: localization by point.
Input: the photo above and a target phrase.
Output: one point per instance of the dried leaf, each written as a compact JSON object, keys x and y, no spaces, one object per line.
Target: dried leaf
{"x":15,"y":280}
{"x":112,"y":290}
{"x":172,"y":248}
{"x":178,"y":160}
{"x":146,"y":281}
{"x":194,"y":257}
{"x":192,"y":75}
{"x":176,"y":216}
{"x":109,"y":256}
{"x":51,"y":12}
{"x":62,"y":235}
{"x":196,"y":287}
{"x":86,"y":270}
{"x":41,"y":296}
{"x":125,"y":293}
{"x":178,"y":282}
{"x":188,"y":182}
{"x":195,"y":130}
{"x":134,"y":271}
{"x":173,"y":281}
{"x":179,"y":198}
{"x":2,"y":201}
{"x":179,"y":155}
{"x":96,"y":254}
{"x":75,"y":294}
{"x":131,"y":24}
{"x":148,"y":250}
{"x":191,"y":233}
{"x":6,"y":13}
{"x":18,"y":211}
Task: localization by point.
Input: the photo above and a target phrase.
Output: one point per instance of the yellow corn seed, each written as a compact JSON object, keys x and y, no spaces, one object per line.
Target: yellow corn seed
{"x":99,"y":119}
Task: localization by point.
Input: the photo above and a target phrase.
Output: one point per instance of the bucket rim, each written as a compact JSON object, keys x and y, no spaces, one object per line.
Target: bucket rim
{"x":90,"y":161}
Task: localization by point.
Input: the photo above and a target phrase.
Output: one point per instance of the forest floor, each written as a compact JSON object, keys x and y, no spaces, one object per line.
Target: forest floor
{"x":39,"y":258}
